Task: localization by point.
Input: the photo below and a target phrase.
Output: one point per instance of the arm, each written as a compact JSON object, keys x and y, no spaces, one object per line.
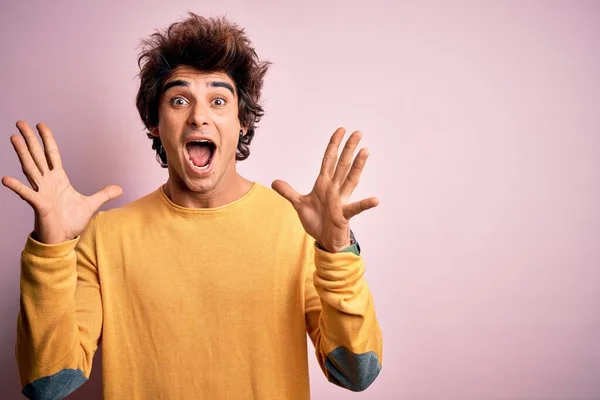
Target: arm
{"x":339,"y":309}
{"x":60,"y":318}
{"x":341,"y":320}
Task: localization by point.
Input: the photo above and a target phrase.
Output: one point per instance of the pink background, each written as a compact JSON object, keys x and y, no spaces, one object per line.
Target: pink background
{"x":482,"y":121}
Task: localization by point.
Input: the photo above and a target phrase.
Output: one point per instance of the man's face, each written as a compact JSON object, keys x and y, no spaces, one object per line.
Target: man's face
{"x":199,"y":128}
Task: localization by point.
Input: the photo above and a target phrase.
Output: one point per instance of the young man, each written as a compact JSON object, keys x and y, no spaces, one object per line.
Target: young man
{"x":205,"y":288}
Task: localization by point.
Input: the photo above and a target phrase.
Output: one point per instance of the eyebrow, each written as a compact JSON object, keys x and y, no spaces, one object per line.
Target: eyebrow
{"x":183,"y":83}
{"x":223,"y":85}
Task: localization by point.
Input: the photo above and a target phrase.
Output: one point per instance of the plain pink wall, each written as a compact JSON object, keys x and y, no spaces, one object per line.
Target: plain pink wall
{"x":482,"y":121}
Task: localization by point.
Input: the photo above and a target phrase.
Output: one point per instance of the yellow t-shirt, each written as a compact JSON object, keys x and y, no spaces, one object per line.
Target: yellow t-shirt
{"x":194,"y":304}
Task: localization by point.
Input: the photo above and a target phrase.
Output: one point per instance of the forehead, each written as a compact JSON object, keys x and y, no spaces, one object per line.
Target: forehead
{"x":196,"y":77}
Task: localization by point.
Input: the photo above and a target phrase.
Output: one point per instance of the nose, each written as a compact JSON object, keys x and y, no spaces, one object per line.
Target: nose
{"x":199,"y":114}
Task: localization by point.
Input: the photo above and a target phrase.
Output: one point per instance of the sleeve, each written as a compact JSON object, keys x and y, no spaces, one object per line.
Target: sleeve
{"x":60,"y":317}
{"x":341,"y":320}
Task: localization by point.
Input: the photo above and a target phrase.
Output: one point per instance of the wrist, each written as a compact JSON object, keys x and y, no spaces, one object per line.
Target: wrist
{"x":50,"y":239}
{"x":350,"y":247}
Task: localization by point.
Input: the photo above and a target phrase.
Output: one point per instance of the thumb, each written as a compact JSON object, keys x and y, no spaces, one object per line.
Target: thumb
{"x":105,"y":195}
{"x":288,"y":192}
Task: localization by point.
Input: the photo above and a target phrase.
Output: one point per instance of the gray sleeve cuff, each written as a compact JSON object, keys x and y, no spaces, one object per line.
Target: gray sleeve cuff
{"x":354,"y":248}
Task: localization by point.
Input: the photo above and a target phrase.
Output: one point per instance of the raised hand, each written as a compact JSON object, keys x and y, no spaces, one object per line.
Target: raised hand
{"x":61,"y":213}
{"x":325,"y":212}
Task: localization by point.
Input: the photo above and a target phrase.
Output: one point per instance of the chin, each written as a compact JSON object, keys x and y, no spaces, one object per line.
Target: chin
{"x":199,"y":180}
{"x":204,"y":186}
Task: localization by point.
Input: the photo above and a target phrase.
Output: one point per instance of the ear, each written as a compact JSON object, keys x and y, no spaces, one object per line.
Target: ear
{"x":154,"y":132}
{"x":244,"y":130}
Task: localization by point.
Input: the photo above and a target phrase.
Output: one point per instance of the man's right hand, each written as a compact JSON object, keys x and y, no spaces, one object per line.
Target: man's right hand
{"x":61,"y":213}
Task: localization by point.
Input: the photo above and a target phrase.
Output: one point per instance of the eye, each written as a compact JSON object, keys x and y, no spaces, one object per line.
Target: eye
{"x":219,"y":101}
{"x":178,"y":101}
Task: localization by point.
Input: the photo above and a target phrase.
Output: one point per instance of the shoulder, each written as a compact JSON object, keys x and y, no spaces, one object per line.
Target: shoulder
{"x":275,"y":214}
{"x":138,"y":210}
{"x":273,"y":201}
{"x":272,"y":208}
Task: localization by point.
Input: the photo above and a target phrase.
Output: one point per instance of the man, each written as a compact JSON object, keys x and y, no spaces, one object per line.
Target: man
{"x":205,"y":288}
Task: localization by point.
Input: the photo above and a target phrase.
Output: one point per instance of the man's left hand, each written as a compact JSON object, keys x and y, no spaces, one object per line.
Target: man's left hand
{"x":324,"y":212}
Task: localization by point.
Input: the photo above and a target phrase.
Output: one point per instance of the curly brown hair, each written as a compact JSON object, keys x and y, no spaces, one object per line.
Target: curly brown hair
{"x":209,"y":45}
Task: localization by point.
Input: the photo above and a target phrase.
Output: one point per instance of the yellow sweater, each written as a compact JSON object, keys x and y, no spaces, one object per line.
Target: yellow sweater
{"x":194,"y":304}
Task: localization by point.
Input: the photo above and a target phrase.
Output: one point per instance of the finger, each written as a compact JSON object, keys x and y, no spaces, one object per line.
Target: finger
{"x":103,"y":196}
{"x":50,"y":147}
{"x":287,"y":192}
{"x":30,"y":170}
{"x":20,"y":189}
{"x":345,"y":162}
{"x":34,"y":146}
{"x":330,"y":157}
{"x":354,"y":176}
{"x":351,"y":210}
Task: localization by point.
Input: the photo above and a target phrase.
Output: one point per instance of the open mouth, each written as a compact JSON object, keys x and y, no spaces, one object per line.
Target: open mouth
{"x":200,"y":153}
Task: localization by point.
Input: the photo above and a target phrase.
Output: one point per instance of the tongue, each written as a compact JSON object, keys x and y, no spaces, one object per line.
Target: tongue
{"x":199,"y":154}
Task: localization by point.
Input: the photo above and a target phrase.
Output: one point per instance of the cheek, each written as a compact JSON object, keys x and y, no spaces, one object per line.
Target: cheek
{"x":167,"y":121}
{"x":230,"y":132}
{"x":168,"y":128}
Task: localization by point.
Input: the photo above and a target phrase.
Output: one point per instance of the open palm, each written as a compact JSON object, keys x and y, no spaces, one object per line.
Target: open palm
{"x":61,"y":213}
{"x":325,"y":212}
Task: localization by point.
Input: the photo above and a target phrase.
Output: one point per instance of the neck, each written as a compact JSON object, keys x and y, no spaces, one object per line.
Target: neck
{"x":181,"y":195}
